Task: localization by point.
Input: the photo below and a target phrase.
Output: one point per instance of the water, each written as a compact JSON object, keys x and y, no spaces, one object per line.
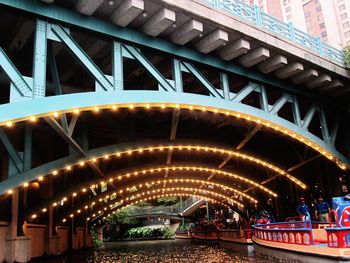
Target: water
{"x":165,"y":251}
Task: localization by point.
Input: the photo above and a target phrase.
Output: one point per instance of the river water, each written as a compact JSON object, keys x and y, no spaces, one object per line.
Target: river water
{"x":174,"y":251}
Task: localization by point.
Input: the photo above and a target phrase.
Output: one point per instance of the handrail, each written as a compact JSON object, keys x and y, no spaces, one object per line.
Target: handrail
{"x":262,"y":20}
{"x":332,"y":211}
{"x":293,"y":217}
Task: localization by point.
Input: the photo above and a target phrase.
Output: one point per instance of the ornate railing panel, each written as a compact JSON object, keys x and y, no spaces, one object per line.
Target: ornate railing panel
{"x":254,"y":15}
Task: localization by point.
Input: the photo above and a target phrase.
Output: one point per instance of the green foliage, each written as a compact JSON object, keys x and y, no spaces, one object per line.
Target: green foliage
{"x":346,"y":51}
{"x":147,"y":232}
{"x":122,"y":217}
{"x":168,"y":233}
{"x":171,"y":200}
{"x":95,"y":241}
{"x":184,"y":226}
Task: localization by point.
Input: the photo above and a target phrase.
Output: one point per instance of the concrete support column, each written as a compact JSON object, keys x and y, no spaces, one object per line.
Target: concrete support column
{"x":3,"y":232}
{"x":17,"y":248}
{"x":53,"y":241}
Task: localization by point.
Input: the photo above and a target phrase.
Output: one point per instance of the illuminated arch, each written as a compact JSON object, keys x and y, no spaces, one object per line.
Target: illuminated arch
{"x":127,"y":149}
{"x":83,"y":188}
{"x":150,"y":190}
{"x":152,"y":197}
{"x":144,"y":196}
{"x":75,"y":103}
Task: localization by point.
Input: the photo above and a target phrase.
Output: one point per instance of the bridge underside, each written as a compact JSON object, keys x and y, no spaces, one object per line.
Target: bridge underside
{"x":102,"y":124}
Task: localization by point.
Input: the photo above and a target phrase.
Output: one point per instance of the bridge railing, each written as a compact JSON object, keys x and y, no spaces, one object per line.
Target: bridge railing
{"x":189,"y":201}
{"x":173,"y":209}
{"x":260,"y":19}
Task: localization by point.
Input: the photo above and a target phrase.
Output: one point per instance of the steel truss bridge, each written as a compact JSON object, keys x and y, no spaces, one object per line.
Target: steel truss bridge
{"x":84,"y":134}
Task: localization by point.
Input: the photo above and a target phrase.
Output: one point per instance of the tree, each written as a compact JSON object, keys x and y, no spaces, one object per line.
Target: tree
{"x":122,"y":217}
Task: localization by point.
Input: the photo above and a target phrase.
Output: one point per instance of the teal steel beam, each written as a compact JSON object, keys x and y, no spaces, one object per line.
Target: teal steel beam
{"x":28,"y":147}
{"x":150,"y":68}
{"x":14,"y":75}
{"x":88,"y":183}
{"x":56,"y":81}
{"x":334,"y":131}
{"x":324,"y":127}
{"x":81,"y":55}
{"x":225,"y":85}
{"x":279,"y":104}
{"x":243,"y":93}
{"x":48,"y":168}
{"x":27,"y":108}
{"x":13,"y":154}
{"x":296,"y":111}
{"x":308,"y":116}
{"x":264,"y":103}
{"x":117,"y":66}
{"x":104,"y":27}
{"x":199,"y":76}
{"x":66,"y":136}
{"x":40,"y":55}
{"x":177,"y":75}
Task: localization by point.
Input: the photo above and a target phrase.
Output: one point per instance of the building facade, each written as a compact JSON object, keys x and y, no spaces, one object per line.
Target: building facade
{"x":328,"y":19}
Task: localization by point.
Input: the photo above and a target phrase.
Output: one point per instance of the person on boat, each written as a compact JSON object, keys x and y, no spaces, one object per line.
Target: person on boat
{"x":322,"y":210}
{"x":235,"y":223}
{"x":303,"y":209}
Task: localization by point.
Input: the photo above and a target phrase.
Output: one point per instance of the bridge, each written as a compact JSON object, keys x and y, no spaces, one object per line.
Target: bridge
{"x":106,"y":104}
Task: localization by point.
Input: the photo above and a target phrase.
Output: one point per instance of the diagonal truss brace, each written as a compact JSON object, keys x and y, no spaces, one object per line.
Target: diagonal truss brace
{"x":23,"y":87}
{"x":66,"y":136}
{"x":81,"y":55}
{"x":14,"y":156}
{"x":163,"y":82}
{"x":199,"y":76}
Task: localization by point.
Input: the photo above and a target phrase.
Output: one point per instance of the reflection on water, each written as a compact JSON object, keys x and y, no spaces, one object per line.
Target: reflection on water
{"x":174,"y":251}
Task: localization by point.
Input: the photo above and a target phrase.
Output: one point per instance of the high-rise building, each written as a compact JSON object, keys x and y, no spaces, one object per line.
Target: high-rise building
{"x":328,"y":19}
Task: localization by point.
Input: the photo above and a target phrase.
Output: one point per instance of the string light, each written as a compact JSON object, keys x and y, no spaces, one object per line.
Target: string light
{"x":183,"y":189}
{"x":231,"y":153}
{"x":152,"y":197}
{"x":303,"y":140}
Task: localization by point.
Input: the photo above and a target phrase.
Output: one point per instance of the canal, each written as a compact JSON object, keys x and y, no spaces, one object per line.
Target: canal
{"x":174,"y":251}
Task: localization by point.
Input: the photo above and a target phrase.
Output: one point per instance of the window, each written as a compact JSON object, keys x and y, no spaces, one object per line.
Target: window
{"x":307,"y":14}
{"x":288,"y":9}
{"x":343,"y":16}
{"x":341,"y":7}
{"x":285,"y":2}
{"x":322,"y":25}
{"x":346,"y":25}
{"x":347,"y":34}
{"x":318,"y":9}
{"x":324,"y":34}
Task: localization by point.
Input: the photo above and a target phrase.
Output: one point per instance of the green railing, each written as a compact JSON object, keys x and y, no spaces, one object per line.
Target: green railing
{"x":260,"y":19}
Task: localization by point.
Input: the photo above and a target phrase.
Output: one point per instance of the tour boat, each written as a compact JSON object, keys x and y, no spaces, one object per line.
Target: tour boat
{"x":205,"y":234}
{"x":236,"y":235}
{"x":183,"y":234}
{"x":230,"y":235}
{"x":317,"y":242}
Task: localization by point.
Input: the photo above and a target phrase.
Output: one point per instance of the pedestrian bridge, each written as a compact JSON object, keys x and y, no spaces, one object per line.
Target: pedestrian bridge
{"x":106,"y":104}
